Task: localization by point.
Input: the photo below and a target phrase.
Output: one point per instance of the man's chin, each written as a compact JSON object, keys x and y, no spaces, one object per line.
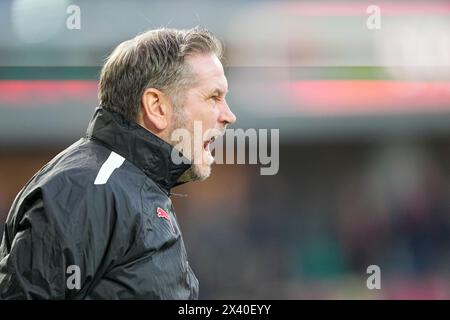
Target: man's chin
{"x":197,"y":172}
{"x":201,"y":171}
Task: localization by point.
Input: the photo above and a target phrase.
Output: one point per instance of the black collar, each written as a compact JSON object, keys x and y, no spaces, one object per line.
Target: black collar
{"x":145,"y":150}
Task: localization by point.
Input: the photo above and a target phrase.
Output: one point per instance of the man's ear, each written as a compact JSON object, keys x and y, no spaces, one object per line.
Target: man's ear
{"x":155,"y":110}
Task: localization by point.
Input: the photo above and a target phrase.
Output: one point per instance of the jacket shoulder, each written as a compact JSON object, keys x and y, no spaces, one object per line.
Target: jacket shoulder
{"x":79,"y":184}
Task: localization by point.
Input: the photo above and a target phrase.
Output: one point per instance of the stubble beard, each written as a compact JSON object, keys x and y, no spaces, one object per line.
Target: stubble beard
{"x":197,"y":171}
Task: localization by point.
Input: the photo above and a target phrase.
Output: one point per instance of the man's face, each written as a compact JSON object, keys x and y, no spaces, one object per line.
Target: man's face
{"x":203,"y":111}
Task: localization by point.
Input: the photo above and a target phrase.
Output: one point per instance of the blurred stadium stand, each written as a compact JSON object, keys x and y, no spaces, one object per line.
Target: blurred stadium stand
{"x":364,"y":119}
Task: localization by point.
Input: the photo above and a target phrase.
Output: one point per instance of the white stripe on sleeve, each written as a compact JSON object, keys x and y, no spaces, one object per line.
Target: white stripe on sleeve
{"x":113,"y":162}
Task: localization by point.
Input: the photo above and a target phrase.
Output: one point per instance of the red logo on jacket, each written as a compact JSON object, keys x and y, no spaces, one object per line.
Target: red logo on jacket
{"x":163,"y":214}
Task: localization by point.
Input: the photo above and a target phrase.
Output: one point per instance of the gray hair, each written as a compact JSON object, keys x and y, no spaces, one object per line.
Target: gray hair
{"x":154,"y":59}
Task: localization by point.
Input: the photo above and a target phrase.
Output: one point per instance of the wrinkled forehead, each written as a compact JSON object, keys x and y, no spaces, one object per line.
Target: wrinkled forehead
{"x":207,"y":71}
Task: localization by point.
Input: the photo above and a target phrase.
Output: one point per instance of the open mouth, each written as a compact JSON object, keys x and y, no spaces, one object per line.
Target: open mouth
{"x":208,"y":157}
{"x":207,"y":143}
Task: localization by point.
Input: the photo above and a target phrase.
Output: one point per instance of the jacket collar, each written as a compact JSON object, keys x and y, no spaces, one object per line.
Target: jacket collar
{"x":145,"y":150}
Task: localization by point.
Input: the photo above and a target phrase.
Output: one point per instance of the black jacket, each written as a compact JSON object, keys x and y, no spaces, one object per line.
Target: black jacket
{"x":101,"y":210}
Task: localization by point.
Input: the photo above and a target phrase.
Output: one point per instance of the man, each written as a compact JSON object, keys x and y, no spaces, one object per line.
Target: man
{"x":97,"y":222}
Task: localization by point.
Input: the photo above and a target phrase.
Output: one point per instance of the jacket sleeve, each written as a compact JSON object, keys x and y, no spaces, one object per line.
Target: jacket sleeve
{"x":32,"y":262}
{"x":56,"y":249}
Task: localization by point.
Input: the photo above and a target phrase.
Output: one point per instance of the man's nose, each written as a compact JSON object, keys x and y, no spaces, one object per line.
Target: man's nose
{"x":226,"y":116}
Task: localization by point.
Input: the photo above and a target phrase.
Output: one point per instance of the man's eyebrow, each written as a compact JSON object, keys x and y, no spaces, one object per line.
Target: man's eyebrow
{"x":219,"y":92}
